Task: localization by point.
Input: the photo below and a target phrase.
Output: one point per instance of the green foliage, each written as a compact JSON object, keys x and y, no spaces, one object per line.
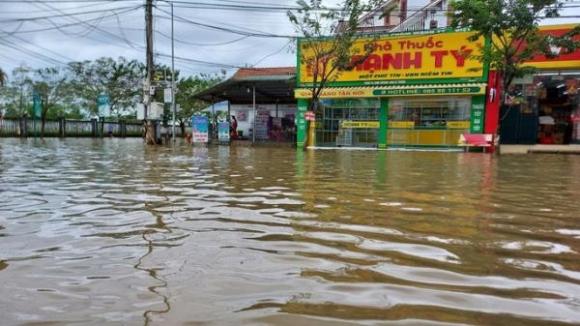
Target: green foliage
{"x":512,"y":28}
{"x":120,"y":79}
{"x":340,"y":28}
{"x":15,"y":95}
{"x":188,"y":87}
{"x":3,"y":77}
{"x":72,"y":91}
{"x":52,"y":86}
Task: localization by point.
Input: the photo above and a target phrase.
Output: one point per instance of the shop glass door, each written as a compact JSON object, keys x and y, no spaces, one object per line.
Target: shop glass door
{"x":348,"y":123}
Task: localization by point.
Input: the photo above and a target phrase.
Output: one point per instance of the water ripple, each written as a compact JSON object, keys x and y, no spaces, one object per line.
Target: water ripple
{"x":114,"y":232}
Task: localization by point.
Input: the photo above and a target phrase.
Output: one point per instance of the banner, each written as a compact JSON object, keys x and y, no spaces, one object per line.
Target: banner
{"x":224,"y":132}
{"x":103,"y":106}
{"x":398,"y":91}
{"x":262,"y":118}
{"x":349,"y":124}
{"x":399,"y":59}
{"x":37,"y":105}
{"x":563,"y":59}
{"x":200,"y":129}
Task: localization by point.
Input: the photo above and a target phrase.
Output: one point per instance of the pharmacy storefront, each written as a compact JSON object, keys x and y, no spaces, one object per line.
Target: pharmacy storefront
{"x":413,"y":90}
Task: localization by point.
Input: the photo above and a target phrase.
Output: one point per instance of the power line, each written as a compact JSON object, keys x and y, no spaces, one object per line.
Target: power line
{"x":273,"y":53}
{"x":62,"y":14}
{"x":42,"y":11}
{"x":201,"y":44}
{"x":114,"y":12}
{"x":37,"y":46}
{"x":202,"y":62}
{"x":31,"y":53}
{"x":82,"y":33}
{"x":225,"y":29}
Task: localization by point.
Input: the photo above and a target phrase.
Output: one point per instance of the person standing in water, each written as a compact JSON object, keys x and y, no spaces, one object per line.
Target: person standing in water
{"x":233,"y":128}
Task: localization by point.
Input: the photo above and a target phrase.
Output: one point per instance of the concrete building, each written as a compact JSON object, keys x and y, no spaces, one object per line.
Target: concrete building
{"x":406,"y":16}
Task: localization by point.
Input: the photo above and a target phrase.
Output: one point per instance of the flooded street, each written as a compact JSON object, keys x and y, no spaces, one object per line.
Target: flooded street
{"x":112,"y":232}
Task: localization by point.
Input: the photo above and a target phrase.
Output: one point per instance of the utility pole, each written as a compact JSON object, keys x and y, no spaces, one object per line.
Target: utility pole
{"x":150,"y":67}
{"x":173,"y":90}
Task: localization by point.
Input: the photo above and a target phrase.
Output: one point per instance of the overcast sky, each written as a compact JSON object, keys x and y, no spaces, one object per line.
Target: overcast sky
{"x":43,"y":42}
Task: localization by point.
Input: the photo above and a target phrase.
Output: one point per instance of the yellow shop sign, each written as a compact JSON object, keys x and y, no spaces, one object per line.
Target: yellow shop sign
{"x":396,"y":59}
{"x":349,"y":124}
{"x":458,"y":124}
{"x":336,"y":93}
{"x":402,"y":124}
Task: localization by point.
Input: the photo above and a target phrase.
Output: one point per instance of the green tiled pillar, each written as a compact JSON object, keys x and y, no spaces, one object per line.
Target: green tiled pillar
{"x":301,"y":122}
{"x":383,"y":123}
{"x":477,"y":114}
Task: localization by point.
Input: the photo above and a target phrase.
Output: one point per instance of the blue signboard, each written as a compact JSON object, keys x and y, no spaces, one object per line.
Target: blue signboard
{"x":103,"y":106}
{"x":37,"y":105}
{"x":200,"y":129}
{"x":224,"y":132}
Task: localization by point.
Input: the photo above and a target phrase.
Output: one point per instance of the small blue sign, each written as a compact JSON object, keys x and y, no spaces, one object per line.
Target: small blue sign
{"x":224,"y":132}
{"x":103,"y":106}
{"x":37,"y":105}
{"x":200,"y":129}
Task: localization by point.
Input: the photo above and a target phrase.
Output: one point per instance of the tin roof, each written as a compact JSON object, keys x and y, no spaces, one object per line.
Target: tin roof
{"x":264,"y":73}
{"x":273,"y":85}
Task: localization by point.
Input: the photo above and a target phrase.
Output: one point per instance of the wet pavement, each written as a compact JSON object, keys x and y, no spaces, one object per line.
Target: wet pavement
{"x":111,"y":232}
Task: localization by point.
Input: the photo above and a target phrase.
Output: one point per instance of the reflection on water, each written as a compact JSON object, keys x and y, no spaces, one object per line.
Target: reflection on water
{"x":112,"y":232}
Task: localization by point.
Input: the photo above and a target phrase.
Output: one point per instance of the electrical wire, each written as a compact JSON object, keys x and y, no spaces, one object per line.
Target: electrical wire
{"x":225,"y":29}
{"x":77,"y":34}
{"x":114,"y":12}
{"x":38,"y":46}
{"x":286,"y":45}
{"x":201,"y":44}
{"x":62,"y":14}
{"x":31,"y":53}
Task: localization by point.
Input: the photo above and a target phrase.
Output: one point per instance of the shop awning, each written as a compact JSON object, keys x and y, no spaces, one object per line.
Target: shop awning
{"x":273,"y":85}
{"x":395,"y":91}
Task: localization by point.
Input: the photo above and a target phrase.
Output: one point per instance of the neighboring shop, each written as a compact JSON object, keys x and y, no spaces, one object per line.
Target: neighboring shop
{"x":261,"y":106}
{"x":544,"y":108}
{"x":412,"y":90}
{"x":273,"y":121}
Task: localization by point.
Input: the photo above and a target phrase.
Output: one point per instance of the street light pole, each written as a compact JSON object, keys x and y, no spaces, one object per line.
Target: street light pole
{"x":254,"y":109}
{"x":174,"y":106}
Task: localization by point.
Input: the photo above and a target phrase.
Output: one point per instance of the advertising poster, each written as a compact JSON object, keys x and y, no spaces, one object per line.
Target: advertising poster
{"x":262,"y":118}
{"x":242,"y":115}
{"x":200,"y":128}
{"x":224,"y":132}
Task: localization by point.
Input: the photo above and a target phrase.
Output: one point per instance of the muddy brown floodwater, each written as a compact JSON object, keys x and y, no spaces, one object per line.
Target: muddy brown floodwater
{"x":110,"y":232}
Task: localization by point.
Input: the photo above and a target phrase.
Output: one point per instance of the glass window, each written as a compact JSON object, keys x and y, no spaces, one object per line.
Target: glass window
{"x":430,"y":112}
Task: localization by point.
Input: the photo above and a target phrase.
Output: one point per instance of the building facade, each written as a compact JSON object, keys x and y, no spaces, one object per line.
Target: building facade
{"x":406,"y":16}
{"x":544,"y":107}
{"x":414,"y":89}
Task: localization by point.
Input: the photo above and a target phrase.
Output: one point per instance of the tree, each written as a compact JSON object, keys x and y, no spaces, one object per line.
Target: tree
{"x":51,"y":84}
{"x":3,"y":77}
{"x":328,"y":38}
{"x":19,"y":90}
{"x":512,"y":26}
{"x":119,"y":79}
{"x":187,"y":88}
